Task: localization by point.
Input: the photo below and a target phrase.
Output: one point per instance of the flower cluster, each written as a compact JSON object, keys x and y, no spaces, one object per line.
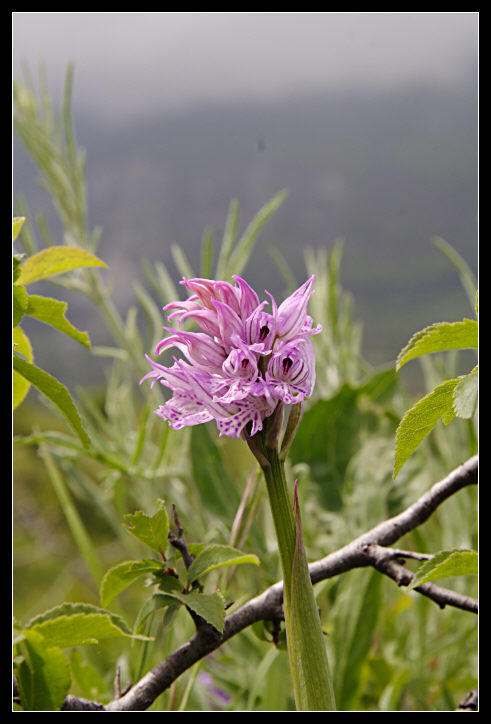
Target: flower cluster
{"x":244,"y":361}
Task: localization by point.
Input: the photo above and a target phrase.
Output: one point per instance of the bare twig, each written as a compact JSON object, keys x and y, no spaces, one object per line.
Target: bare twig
{"x":353,"y":555}
{"x":384,"y":560}
{"x":369,"y":549}
{"x":178,"y":541}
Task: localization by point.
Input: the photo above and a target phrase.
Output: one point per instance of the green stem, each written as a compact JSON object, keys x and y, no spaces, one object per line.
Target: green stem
{"x":306,"y":646}
{"x":282,"y":512}
{"x":73,"y":519}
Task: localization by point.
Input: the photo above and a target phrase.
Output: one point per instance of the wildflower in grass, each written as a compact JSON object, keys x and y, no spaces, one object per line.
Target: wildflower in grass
{"x":243,"y":363}
{"x":249,"y":360}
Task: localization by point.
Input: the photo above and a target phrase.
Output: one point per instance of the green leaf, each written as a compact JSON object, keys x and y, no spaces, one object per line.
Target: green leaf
{"x":466,"y":395}
{"x":54,"y":391}
{"x":211,"y":607}
{"x":19,"y":304}
{"x":121,"y":576}
{"x":244,"y":246}
{"x":20,"y":385}
{"x":467,"y":277}
{"x":43,"y":674}
{"x":155,"y":603}
{"x":74,"y":624}
{"x":168,"y":583}
{"x":206,"y":266}
{"x":307,"y":650}
{"x":16,"y":265}
{"x":56,"y":260}
{"x":440,"y":337}
{"x":229,"y":236}
{"x":217,"y":556}
{"x":181,"y":262}
{"x":333,"y":430}
{"x":52,"y":312}
{"x":150,"y":530}
{"x":87,"y":678}
{"x":446,"y":564}
{"x":84,"y":541}
{"x":17,"y":223}
{"x":354,"y":633}
{"x":418,"y":422}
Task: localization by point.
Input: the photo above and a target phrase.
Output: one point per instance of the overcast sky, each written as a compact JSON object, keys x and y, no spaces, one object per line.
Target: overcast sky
{"x":130,"y":62}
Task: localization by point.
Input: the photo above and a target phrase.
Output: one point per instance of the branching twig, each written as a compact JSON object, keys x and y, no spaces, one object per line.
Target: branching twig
{"x":369,"y":549}
{"x":386,"y":561}
{"x":178,"y":541}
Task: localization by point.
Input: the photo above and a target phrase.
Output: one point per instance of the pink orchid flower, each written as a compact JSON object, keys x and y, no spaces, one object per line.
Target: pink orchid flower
{"x":243,"y":363}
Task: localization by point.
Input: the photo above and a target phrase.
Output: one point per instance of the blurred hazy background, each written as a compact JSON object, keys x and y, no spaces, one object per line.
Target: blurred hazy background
{"x":368,"y":119}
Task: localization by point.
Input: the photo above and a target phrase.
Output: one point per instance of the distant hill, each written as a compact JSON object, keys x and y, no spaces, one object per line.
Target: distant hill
{"x":384,"y":172}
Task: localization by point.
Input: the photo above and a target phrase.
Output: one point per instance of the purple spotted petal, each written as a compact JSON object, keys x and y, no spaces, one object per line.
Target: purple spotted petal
{"x":242,"y":359}
{"x":243,"y":362}
{"x":291,"y":371}
{"x":260,"y":327}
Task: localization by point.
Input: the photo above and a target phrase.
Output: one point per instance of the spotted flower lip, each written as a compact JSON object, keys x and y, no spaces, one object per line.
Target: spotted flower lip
{"x":244,"y":361}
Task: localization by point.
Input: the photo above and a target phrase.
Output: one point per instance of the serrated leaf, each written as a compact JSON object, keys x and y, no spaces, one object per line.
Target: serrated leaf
{"x":150,"y":530}
{"x":446,"y":565}
{"x":217,"y":556}
{"x":56,"y":260}
{"x":54,"y":391}
{"x":43,"y":675}
{"x":449,"y":416}
{"x":466,"y":395}
{"x":74,"y":624}
{"x":20,"y":386}
{"x":121,"y":576}
{"x":169,"y":584}
{"x":211,"y":607}
{"x":68,"y":609}
{"x":440,"y":337}
{"x":52,"y":312}
{"x":418,"y":422}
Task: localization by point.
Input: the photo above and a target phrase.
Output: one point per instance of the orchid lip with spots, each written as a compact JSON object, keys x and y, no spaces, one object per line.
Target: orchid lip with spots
{"x":243,"y":363}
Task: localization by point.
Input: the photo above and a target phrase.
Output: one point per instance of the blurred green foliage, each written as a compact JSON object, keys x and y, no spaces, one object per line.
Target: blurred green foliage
{"x":390,"y":649}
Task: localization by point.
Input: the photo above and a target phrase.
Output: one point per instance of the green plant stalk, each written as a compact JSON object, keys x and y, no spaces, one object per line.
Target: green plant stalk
{"x":306,"y":646}
{"x":77,"y":528}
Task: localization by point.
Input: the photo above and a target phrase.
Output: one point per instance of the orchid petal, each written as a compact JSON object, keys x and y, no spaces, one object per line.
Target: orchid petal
{"x":243,"y":363}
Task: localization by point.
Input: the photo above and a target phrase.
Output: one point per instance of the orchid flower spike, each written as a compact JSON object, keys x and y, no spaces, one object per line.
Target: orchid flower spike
{"x":243,"y":363}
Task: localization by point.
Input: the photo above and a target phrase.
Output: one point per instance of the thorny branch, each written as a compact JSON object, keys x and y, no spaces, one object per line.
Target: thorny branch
{"x":369,"y":549}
